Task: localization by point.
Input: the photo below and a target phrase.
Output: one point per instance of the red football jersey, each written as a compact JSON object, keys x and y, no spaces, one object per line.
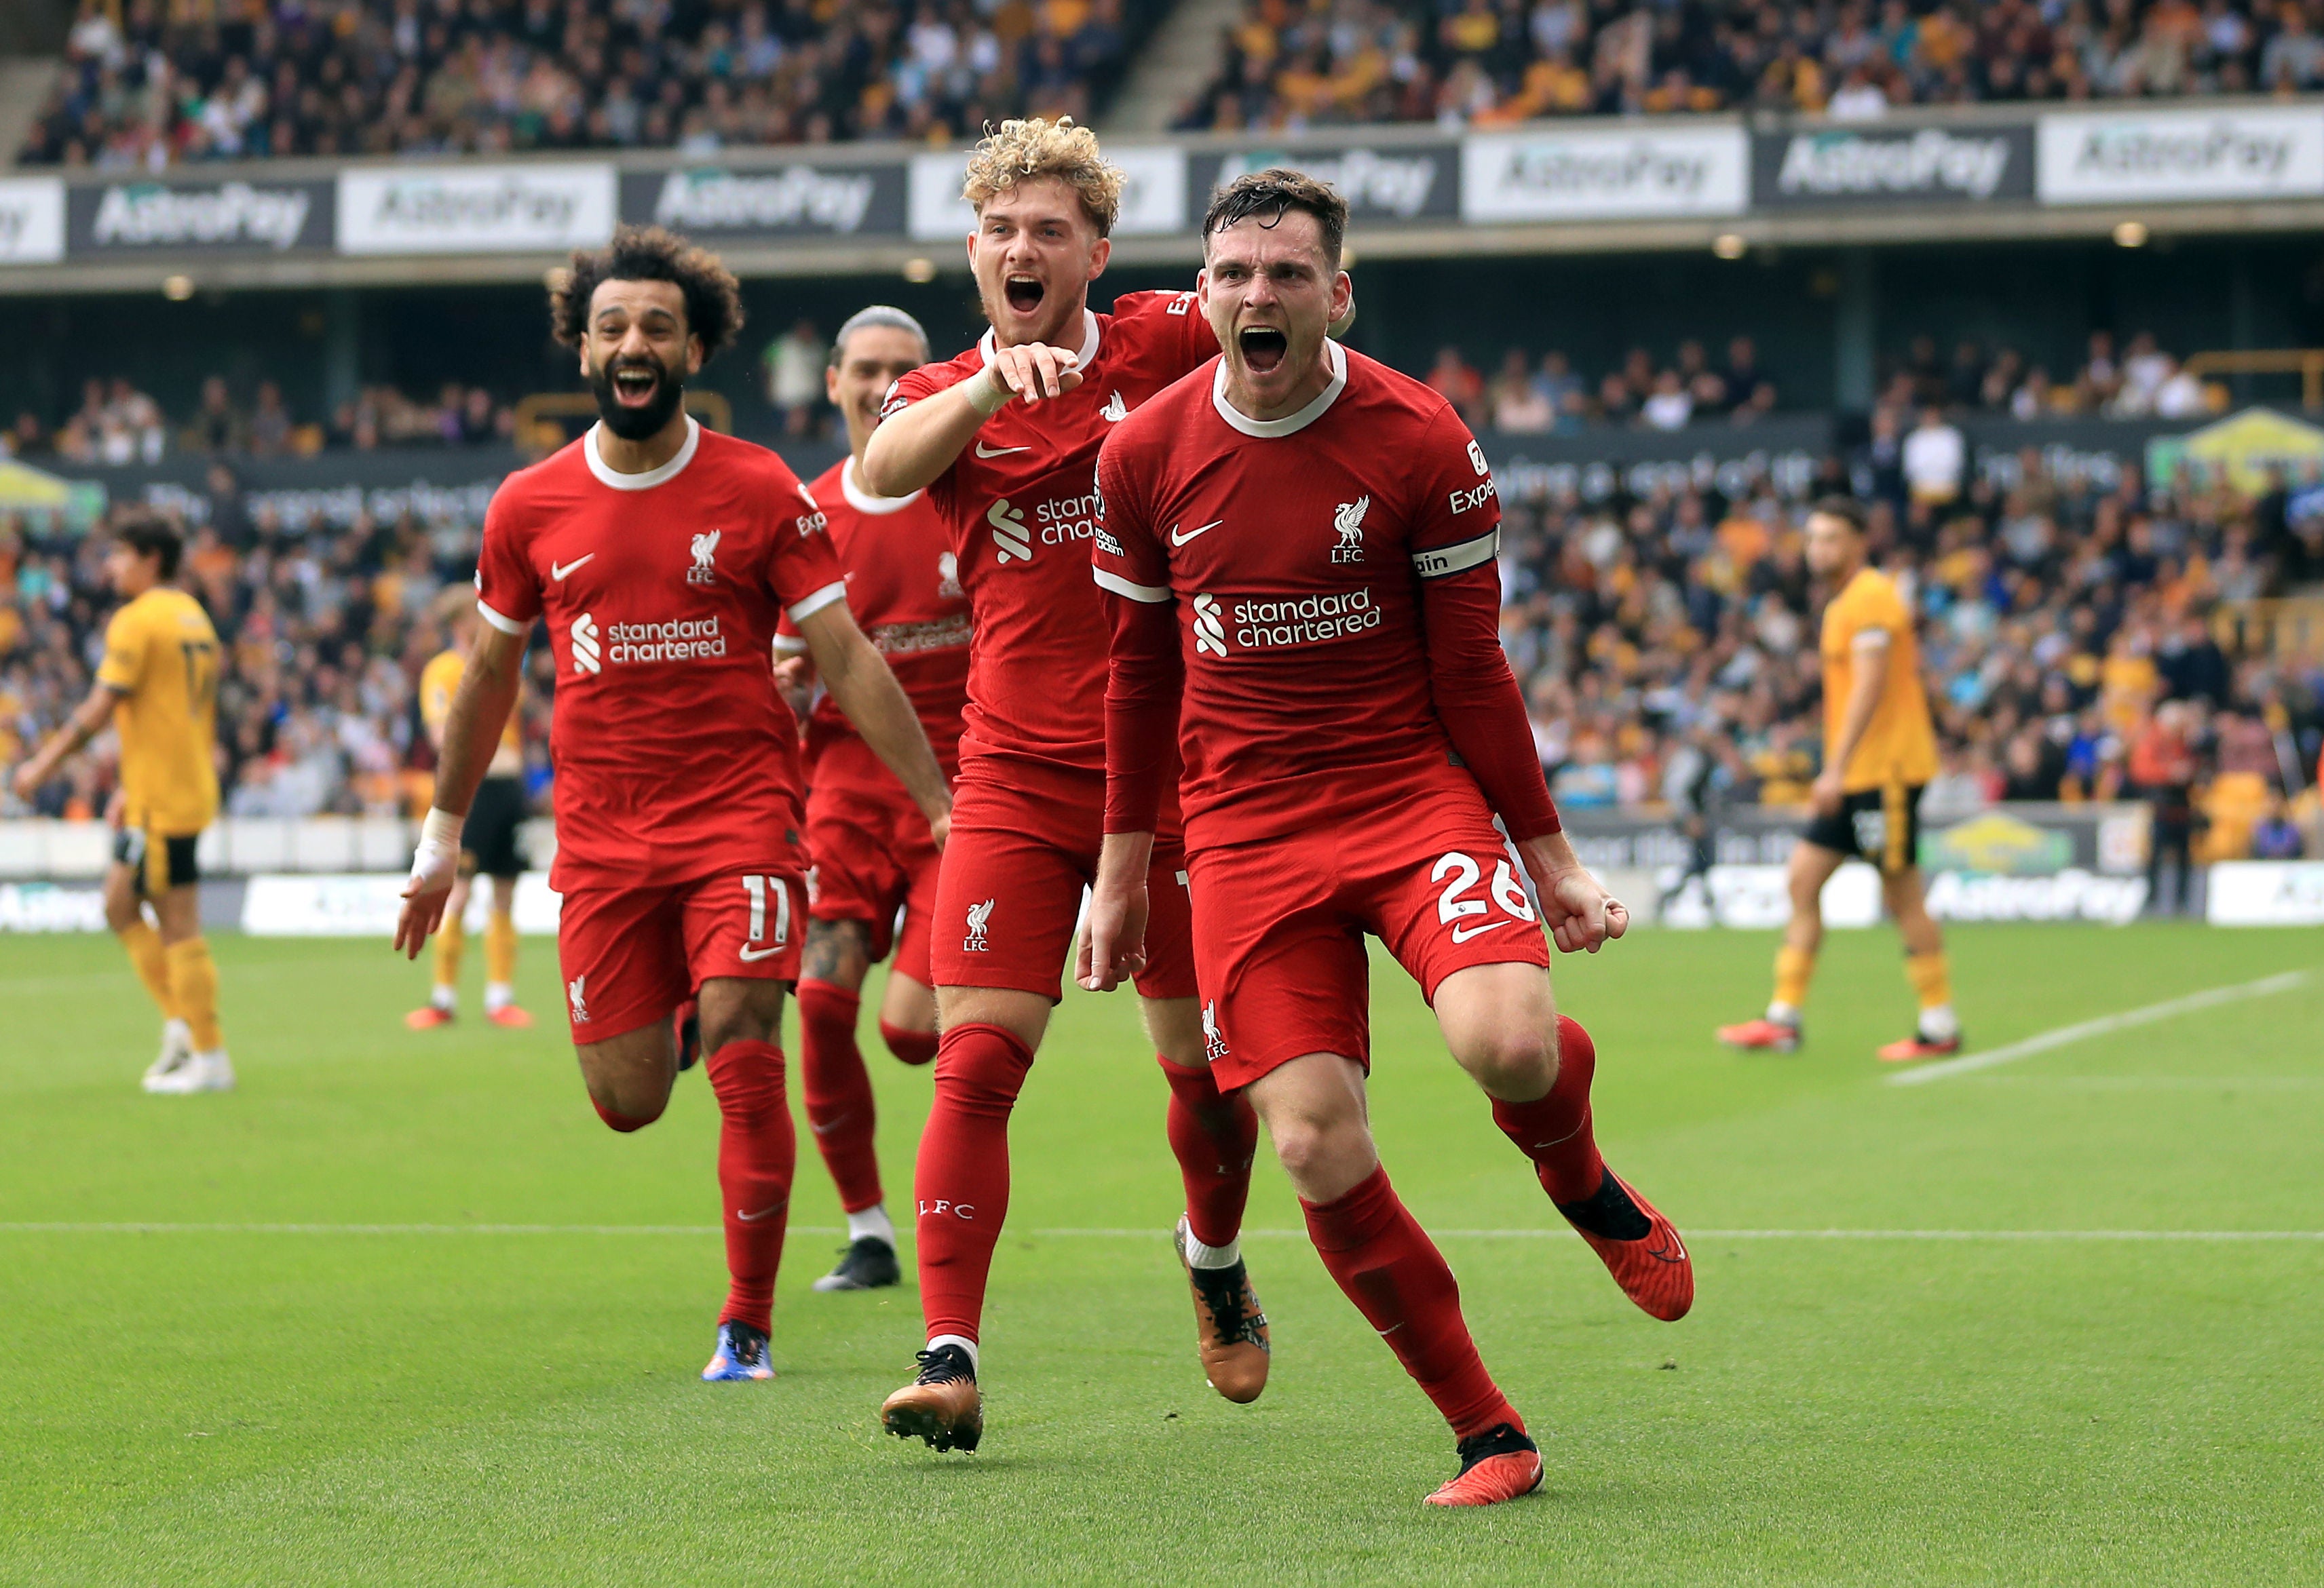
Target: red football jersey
{"x":1296,"y":552}
{"x":1022,"y":509}
{"x":675,"y":755}
{"x":903,"y":585}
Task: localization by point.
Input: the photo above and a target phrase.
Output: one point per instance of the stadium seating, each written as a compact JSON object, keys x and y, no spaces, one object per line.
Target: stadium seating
{"x":1649,"y":633}
{"x":1293,"y":63}
{"x":149,"y":84}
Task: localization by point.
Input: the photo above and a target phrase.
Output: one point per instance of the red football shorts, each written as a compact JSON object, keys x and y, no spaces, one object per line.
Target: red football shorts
{"x":1279,"y":924}
{"x":1014,"y":869}
{"x":631,"y":955}
{"x":873,"y":853}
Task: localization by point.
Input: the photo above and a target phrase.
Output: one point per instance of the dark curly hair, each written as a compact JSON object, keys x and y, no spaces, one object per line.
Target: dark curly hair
{"x":713,"y":299}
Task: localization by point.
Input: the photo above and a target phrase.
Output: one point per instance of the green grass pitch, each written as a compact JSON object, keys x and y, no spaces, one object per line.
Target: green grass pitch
{"x":331,"y":1404}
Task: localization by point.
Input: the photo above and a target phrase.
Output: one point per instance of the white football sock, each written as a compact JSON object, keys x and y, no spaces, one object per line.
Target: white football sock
{"x":1784,"y":1013}
{"x":498,"y":994}
{"x":443,"y":997}
{"x":962,"y":1341}
{"x":1940,"y":1025}
{"x":872,"y":1224}
{"x":1201,"y":1256}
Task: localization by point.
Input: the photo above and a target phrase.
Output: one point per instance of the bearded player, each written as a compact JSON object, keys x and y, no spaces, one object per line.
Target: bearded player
{"x":874,"y":856}
{"x":1299,"y":545}
{"x":660,"y":554}
{"x":1004,"y":439}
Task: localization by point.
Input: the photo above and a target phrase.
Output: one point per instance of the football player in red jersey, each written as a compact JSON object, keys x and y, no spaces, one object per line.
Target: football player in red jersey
{"x":660,"y":554}
{"x":1300,"y":546}
{"x":873,"y":854}
{"x":1004,"y":439}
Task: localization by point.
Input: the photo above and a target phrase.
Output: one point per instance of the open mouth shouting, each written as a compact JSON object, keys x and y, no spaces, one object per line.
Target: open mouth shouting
{"x":1264,"y":348}
{"x":1024,"y":293}
{"x":635,"y":383}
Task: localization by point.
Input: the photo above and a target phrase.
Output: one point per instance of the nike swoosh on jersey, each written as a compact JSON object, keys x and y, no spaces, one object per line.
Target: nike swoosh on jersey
{"x":558,"y":573}
{"x":1178,"y":539}
{"x":1461,"y":934}
{"x":752,"y":956}
{"x":984,"y":450}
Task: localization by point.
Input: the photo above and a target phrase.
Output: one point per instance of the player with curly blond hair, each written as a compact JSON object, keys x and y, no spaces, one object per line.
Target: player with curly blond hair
{"x":1004,"y":438}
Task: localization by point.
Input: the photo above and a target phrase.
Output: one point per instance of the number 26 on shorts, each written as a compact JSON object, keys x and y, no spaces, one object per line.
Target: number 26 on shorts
{"x":1460,"y":873}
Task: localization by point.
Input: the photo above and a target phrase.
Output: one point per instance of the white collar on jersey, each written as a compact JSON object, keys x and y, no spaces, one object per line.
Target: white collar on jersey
{"x":863,"y":501}
{"x":609,"y":475}
{"x":1289,"y":423}
{"x":987,"y":344}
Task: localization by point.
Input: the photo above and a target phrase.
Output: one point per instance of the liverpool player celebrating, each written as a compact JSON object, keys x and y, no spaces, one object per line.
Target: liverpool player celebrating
{"x":1004,"y":439}
{"x":1326,"y":529}
{"x":660,"y":554}
{"x":873,"y":853}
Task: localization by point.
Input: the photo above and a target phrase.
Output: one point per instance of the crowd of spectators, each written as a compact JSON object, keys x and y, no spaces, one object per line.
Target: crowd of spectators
{"x":2068,"y":630}
{"x":117,"y":424}
{"x":1528,"y":397}
{"x":1293,"y":63}
{"x":1524,"y":395}
{"x":324,"y":635}
{"x":2070,"y":639}
{"x":153,"y":83}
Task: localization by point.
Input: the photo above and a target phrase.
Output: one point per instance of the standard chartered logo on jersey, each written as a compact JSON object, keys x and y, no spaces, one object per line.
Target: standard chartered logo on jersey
{"x":1059,"y":522}
{"x":682,"y":639}
{"x":1266,"y":623}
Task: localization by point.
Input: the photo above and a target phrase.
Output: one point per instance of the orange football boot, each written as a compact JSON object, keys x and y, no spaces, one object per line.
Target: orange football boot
{"x":942,"y":1405}
{"x":1762,"y":1036}
{"x":1500,"y":1464}
{"x":509,"y":1017}
{"x":1229,"y":1330}
{"x":1653,"y":1270}
{"x":427,"y":1018}
{"x":1917,"y":1046}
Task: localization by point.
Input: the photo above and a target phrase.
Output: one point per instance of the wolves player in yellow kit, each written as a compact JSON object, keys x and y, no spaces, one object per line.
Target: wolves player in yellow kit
{"x":1879,"y":751}
{"x":488,"y":843}
{"x":158,"y":685}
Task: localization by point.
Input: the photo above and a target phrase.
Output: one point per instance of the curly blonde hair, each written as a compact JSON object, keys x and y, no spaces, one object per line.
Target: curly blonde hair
{"x":1037,"y":147}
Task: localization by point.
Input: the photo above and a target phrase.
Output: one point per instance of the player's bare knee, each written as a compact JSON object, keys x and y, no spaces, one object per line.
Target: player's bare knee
{"x":1517,"y":1062}
{"x":733,"y":1009}
{"x":838,"y":952}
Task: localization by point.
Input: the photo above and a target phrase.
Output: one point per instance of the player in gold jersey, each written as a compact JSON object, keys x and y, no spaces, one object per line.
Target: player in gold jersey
{"x":158,"y":686}
{"x":488,"y":843}
{"x":1879,"y":751}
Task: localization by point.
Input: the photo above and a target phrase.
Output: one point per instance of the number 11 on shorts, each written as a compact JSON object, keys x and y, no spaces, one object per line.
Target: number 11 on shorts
{"x":758,"y":887}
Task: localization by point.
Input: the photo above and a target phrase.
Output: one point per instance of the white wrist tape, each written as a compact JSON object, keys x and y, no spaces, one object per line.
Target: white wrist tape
{"x":439,"y":836}
{"x":986,"y":394}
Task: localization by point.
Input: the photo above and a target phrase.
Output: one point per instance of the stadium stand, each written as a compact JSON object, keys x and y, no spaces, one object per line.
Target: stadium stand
{"x":1295,"y":63}
{"x":148,"y":86}
{"x":2068,"y":633}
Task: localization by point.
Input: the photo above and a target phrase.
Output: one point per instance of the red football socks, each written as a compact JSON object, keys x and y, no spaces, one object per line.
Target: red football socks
{"x":913,"y":1047}
{"x":756,"y":1153}
{"x":1553,"y":1131}
{"x":838,"y":1092}
{"x":1398,"y":1280}
{"x":962,"y":1179}
{"x":1213,"y":1136}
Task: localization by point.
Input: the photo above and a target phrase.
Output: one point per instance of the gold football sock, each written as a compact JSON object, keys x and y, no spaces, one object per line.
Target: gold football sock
{"x":500,"y":948}
{"x":153,"y":967}
{"x":194,"y":985}
{"x":1794,"y":968}
{"x":1930,"y":978}
{"x":450,"y":939}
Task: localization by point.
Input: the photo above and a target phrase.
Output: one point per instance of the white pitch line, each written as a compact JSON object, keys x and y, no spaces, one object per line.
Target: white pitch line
{"x":1155,"y":1235}
{"x":2103,"y":1025}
